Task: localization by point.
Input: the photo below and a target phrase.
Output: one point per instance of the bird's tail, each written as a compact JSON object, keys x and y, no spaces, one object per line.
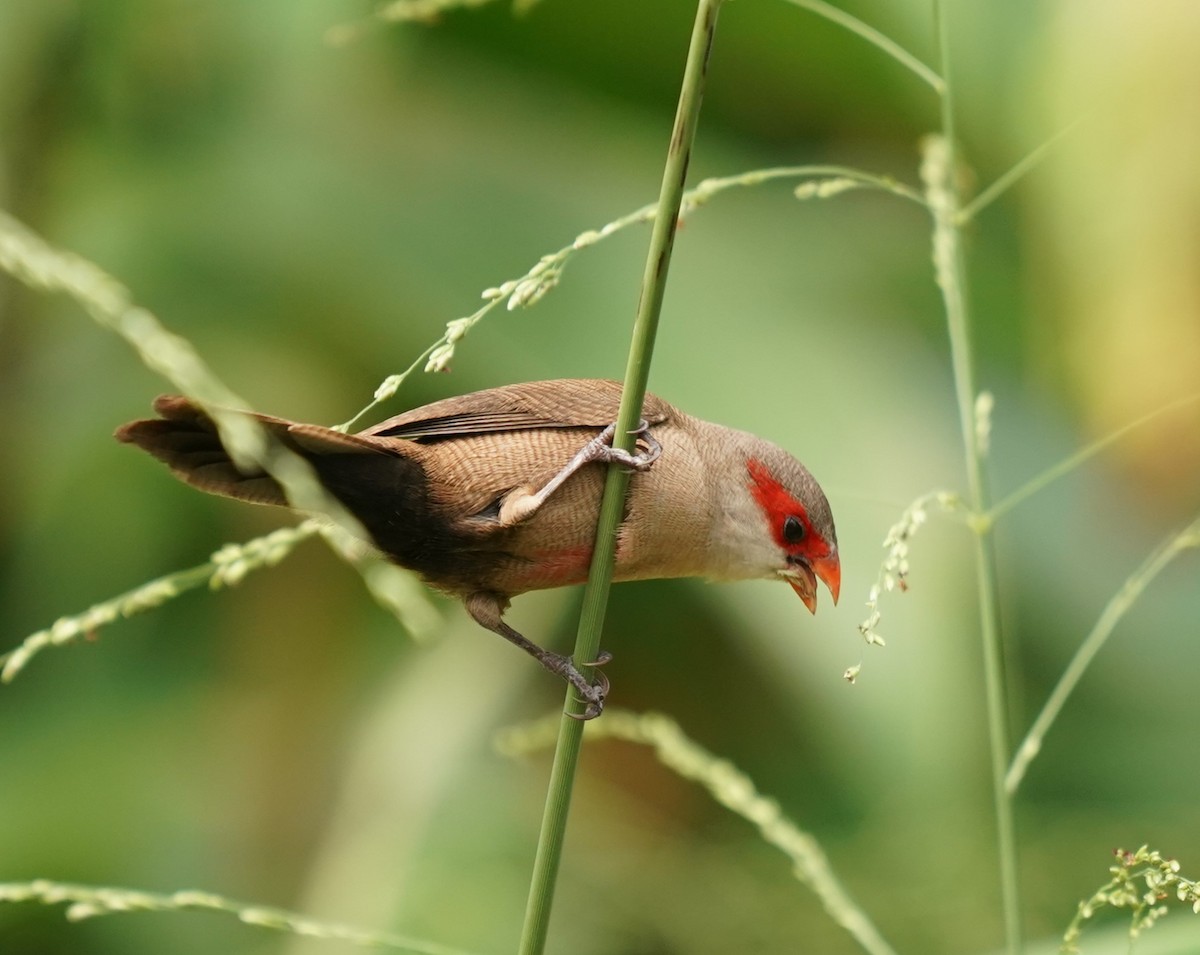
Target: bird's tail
{"x":186,"y":439}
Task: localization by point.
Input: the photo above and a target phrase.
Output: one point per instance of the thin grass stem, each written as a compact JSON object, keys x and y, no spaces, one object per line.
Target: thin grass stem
{"x":708,"y":188}
{"x":873,"y":36}
{"x":91,"y":901}
{"x":939,"y":170}
{"x":1066,"y":466}
{"x":587,"y":642}
{"x":1114,"y":610}
{"x":1006,"y":181}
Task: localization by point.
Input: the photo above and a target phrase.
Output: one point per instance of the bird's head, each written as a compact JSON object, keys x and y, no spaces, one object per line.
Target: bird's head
{"x":798,"y":521}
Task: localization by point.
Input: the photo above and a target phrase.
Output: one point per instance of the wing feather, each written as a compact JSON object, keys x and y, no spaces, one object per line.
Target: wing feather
{"x":529,"y":406}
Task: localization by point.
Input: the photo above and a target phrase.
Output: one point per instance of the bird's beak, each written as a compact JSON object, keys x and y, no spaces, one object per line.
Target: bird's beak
{"x":829,"y":569}
{"x":802,"y":575}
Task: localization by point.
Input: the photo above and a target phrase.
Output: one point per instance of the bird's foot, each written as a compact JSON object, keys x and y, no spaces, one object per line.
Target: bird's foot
{"x":518,"y":505}
{"x":593,"y":694}
{"x":601,"y":449}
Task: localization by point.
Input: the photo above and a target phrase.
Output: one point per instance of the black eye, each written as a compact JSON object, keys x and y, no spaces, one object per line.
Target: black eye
{"x":793,"y":530}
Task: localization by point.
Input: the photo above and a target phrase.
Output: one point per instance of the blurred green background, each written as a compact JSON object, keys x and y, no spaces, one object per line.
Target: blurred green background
{"x":311,"y":215}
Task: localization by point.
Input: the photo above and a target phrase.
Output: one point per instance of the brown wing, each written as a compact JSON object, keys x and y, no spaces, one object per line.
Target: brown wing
{"x":530,"y":406}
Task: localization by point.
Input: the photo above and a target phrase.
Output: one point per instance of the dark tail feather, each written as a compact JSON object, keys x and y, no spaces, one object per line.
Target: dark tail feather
{"x":377,"y":479}
{"x":186,"y":440}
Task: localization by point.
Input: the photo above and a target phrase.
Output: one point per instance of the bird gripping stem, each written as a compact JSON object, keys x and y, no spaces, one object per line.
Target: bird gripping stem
{"x":637,"y":373}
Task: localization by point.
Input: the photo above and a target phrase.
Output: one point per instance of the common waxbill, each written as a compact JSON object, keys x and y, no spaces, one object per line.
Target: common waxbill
{"x":491,"y":494}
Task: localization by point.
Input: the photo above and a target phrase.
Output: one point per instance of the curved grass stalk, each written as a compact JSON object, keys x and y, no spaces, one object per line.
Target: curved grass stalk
{"x":430,"y":11}
{"x":1114,"y":610}
{"x":90,"y":901}
{"x":37,"y":264}
{"x":873,"y":36}
{"x":410,"y":11}
{"x":397,"y":592}
{"x":858,"y":178}
{"x":225,"y":568}
{"x":33,"y":261}
{"x":529,"y":289}
{"x":731,"y":788}
{"x":893,"y":572}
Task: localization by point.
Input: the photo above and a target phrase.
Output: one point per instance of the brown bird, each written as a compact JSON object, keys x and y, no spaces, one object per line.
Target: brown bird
{"x":492,"y":494}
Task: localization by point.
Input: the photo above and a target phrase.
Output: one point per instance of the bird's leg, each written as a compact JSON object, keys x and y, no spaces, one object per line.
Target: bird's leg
{"x":487,"y":609}
{"x":520,"y":504}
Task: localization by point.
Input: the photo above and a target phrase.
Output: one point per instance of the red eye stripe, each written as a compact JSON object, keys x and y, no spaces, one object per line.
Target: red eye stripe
{"x":778,"y":504}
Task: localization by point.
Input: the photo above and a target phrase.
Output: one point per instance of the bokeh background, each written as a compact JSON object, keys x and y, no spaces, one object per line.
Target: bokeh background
{"x":311,"y":215}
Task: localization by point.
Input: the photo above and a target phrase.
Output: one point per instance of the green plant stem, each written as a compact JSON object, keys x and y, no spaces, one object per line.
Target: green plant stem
{"x":871,"y":35}
{"x":1066,"y":466}
{"x":1116,"y":608}
{"x":951,"y":273}
{"x":708,"y":188}
{"x":731,"y":788}
{"x":1005,"y":181}
{"x":228,"y":566}
{"x":94,"y":901}
{"x":595,"y":599}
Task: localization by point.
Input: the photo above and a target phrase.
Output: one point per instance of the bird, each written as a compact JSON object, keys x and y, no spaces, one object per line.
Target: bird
{"x":496,"y":493}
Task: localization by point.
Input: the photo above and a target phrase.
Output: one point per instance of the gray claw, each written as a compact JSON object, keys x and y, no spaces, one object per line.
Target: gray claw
{"x":638,"y":460}
{"x":593,"y":694}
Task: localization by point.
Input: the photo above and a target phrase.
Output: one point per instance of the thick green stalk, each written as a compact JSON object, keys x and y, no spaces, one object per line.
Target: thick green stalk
{"x":595,"y":599}
{"x":941,"y":182}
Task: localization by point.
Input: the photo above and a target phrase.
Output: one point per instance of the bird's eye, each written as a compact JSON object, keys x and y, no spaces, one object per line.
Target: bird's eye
{"x":793,"y":530}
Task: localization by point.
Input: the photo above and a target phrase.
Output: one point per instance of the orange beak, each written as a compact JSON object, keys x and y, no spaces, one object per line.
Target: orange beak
{"x":829,"y":569}
{"x":803,"y":578}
